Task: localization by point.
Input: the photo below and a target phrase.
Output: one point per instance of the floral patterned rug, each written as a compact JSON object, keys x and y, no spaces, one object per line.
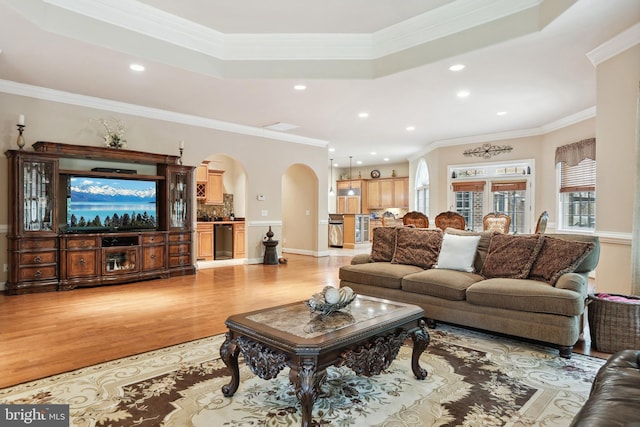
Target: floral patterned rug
{"x":474,"y":379}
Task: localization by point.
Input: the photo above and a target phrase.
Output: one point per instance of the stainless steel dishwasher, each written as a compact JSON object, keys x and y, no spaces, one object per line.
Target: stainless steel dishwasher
{"x":222,"y":241}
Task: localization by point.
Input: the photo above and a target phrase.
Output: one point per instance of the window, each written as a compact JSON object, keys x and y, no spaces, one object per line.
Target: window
{"x":577,"y":171}
{"x":510,"y":198}
{"x":578,"y":195}
{"x":422,"y":188}
{"x":469,"y":202}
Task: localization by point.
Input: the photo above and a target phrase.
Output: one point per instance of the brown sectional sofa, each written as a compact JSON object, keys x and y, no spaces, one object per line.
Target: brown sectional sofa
{"x":530,"y":286}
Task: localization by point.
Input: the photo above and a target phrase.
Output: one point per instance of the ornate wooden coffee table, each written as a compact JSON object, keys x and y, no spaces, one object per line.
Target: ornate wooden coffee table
{"x":366,"y":337}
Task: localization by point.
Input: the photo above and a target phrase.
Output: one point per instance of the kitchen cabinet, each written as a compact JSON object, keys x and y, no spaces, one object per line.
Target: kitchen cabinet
{"x":215,"y":188}
{"x":388,"y":193}
{"x":350,"y":204}
{"x":202,"y":176}
{"x":204,"y":239}
{"x":239,"y":248}
{"x":356,"y":230}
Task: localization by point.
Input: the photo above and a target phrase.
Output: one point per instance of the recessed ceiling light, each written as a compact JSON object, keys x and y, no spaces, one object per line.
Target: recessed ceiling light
{"x":373,"y":153}
{"x":457,"y":67}
{"x":410,"y":128}
{"x":501,"y":113}
{"x":332,"y":149}
{"x":359,"y":162}
{"x":463,"y":93}
{"x":300,"y":87}
{"x":386,"y":159}
{"x":136,"y":67}
{"x":363,"y":115}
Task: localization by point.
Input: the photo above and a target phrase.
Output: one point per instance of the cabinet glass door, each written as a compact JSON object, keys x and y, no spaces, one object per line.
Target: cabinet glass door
{"x":38,"y":195}
{"x":178,"y":199}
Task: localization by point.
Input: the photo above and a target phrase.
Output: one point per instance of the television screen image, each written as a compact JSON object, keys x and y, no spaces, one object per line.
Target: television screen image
{"x":111,"y":203}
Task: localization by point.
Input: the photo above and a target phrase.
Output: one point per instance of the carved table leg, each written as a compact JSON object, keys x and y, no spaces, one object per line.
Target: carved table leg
{"x":229,"y":353}
{"x":420,"y":342}
{"x":307,"y":381}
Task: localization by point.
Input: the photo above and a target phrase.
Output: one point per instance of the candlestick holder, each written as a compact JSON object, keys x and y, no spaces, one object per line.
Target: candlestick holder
{"x":180,"y":160}
{"x":20,"y":140}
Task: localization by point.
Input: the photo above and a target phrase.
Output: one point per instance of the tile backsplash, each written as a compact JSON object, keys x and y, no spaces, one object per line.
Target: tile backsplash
{"x":223,"y":210}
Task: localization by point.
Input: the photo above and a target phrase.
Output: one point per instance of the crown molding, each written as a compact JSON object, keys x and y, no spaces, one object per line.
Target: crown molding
{"x":451,"y":18}
{"x":523,"y":133}
{"x":618,"y":44}
{"x":53,"y":95}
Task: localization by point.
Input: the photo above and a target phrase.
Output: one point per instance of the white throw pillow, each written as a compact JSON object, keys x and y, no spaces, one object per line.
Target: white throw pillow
{"x":458,"y":252}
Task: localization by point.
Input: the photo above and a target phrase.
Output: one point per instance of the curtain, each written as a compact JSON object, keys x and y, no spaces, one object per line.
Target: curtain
{"x":572,"y":154}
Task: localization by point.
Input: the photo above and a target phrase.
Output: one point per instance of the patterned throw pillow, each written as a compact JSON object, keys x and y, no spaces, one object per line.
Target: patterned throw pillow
{"x":384,"y":244}
{"x":417,"y":246}
{"x":557,"y":257}
{"x":511,"y":255}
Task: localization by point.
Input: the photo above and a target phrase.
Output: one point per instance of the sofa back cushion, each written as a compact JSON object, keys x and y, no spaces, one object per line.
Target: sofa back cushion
{"x":384,"y":244}
{"x":557,"y":257}
{"x":590,"y":262}
{"x":483,"y":244}
{"x":457,"y":252}
{"x":511,"y":255}
{"x":417,"y":246}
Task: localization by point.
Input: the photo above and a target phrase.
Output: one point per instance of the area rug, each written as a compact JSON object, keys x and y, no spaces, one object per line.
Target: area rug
{"x":474,"y":379}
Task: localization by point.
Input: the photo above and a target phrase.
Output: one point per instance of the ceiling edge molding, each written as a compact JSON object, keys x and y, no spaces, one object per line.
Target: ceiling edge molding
{"x":37,"y":92}
{"x":444,"y":21}
{"x":427,"y":27}
{"x":523,"y":133}
{"x":612,"y":47}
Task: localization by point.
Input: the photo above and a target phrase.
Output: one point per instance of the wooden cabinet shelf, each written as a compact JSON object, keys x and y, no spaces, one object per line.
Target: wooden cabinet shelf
{"x":387,"y":193}
{"x":45,"y":257}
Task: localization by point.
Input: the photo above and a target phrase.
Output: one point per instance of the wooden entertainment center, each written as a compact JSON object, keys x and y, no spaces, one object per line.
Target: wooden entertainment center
{"x":46,"y":255}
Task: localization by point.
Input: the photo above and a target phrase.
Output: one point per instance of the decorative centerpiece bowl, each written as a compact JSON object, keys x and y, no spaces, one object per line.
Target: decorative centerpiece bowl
{"x":331,"y":300}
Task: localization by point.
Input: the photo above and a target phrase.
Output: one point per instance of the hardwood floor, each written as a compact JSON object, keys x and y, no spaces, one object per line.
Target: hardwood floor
{"x":49,"y":333}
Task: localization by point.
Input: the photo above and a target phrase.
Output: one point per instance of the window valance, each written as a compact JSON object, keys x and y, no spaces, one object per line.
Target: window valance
{"x":475,"y":186}
{"x":572,"y":154}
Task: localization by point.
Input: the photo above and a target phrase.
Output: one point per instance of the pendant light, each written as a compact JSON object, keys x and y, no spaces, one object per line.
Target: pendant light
{"x":350,"y":193}
{"x":331,"y":179}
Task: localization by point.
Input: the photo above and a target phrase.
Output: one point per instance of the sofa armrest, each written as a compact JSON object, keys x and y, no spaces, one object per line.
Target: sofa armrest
{"x":361,"y":259}
{"x":576,"y":282}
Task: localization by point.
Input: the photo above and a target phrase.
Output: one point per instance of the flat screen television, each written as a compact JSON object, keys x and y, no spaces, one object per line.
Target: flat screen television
{"x":95,"y":204}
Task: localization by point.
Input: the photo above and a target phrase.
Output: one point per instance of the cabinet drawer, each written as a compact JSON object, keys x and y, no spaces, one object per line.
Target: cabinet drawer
{"x":180,"y":237}
{"x":156,"y":238}
{"x":48,"y":257}
{"x":87,"y":242}
{"x":179,"y":260}
{"x":182,"y":248}
{"x":82,"y":263}
{"x":153,"y":258}
{"x":39,"y":244}
{"x":38,"y":273}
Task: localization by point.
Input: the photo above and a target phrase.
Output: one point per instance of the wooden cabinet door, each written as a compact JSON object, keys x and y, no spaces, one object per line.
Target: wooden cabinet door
{"x":83,"y":263}
{"x":215,"y":188}
{"x":353,"y":205}
{"x":373,"y":195}
{"x":202,"y":172}
{"x":239,"y":249}
{"x":205,"y":242}
{"x":401,"y":193}
{"x":386,"y":193}
{"x":153,"y":257}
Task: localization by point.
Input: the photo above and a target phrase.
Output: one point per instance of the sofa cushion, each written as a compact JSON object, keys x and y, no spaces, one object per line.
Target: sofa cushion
{"x":483,"y":244}
{"x":383,"y":274}
{"x":457,"y":252}
{"x":525,"y":295}
{"x":557,"y":257}
{"x":417,"y":246}
{"x":511,"y":256}
{"x":384,"y":243}
{"x":448,"y":284}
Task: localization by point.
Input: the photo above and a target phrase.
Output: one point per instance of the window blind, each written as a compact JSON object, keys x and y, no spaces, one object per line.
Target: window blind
{"x":581,"y":177}
{"x":472,"y":186}
{"x":508,"y":186}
